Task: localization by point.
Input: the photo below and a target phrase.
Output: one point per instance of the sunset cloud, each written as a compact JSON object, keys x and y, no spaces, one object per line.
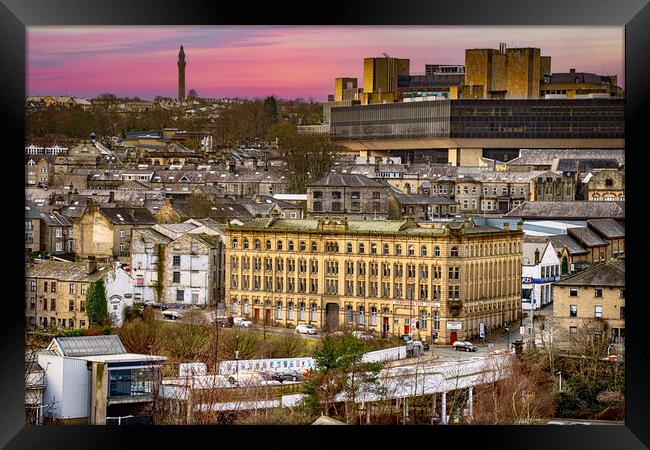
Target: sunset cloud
{"x":287,"y":61}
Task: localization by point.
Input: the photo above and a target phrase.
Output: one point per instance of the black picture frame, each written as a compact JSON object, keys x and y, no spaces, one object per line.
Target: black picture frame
{"x":634,"y":15}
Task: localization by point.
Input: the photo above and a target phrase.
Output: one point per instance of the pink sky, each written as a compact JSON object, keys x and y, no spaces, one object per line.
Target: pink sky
{"x":285,"y":61}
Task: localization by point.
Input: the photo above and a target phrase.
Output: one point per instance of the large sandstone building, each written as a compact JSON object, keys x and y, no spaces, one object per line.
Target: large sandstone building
{"x":390,"y":277}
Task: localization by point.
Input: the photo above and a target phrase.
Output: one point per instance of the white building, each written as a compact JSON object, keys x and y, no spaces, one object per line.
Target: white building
{"x":90,"y":379}
{"x":192,"y":258}
{"x":119,"y":292}
{"x":540,"y":268}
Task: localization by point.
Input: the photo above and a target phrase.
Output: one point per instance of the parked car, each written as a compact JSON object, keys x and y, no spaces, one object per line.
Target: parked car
{"x":426,"y":346}
{"x":172,"y":314}
{"x":338,"y":334}
{"x":362,"y":335}
{"x":464,"y":345}
{"x":224,"y":322}
{"x":242,"y":322}
{"x":285,"y":375}
{"x":306,"y":329}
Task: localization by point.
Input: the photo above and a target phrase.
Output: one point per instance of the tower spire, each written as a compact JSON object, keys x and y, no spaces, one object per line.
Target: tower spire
{"x":181,"y":75}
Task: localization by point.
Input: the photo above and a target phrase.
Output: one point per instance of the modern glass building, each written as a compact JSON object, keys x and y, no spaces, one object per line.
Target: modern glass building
{"x":488,"y":119}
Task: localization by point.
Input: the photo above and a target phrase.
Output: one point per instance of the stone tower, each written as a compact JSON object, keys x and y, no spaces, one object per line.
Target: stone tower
{"x":181,"y":75}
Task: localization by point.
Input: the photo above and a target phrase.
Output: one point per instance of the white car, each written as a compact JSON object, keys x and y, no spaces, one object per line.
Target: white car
{"x":172,"y":314}
{"x":306,"y":329}
{"x":242,"y":322}
{"x":362,"y":335}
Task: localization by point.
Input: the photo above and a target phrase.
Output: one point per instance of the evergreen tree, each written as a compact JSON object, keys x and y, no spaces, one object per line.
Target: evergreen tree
{"x":96,"y":306}
{"x":271,"y":110}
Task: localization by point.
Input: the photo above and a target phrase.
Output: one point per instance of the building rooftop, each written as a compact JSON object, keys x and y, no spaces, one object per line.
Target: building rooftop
{"x":65,"y":271}
{"x":390,"y":227}
{"x":346,"y":180}
{"x":608,"y":228}
{"x":529,"y":248}
{"x":575,"y":210}
{"x":565,"y":241}
{"x":87,"y":346}
{"x":128,"y":216}
{"x":586,"y":237}
{"x":609,"y":274}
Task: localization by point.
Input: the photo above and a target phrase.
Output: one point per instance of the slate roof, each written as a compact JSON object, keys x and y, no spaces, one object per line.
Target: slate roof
{"x":128,"y":216}
{"x":359,"y":226}
{"x":545,"y":156}
{"x":153,"y":235}
{"x":586,"y":237}
{"x":421,"y":199}
{"x":585,"y":165}
{"x":346,"y":180}
{"x":608,"y":228}
{"x":565,"y":241}
{"x":609,"y":274}
{"x":31,"y":210}
{"x":575,"y":210}
{"x":65,"y":271}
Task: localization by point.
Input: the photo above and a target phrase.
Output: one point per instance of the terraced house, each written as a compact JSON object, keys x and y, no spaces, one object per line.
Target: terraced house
{"x":390,"y":277}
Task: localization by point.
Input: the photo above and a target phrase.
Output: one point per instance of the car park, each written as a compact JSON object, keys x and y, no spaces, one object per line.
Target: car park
{"x":465,"y":346}
{"x":306,"y":329}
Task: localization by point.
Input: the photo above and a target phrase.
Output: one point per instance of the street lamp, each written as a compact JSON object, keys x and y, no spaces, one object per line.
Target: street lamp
{"x":237,"y":363}
{"x":507,"y":337}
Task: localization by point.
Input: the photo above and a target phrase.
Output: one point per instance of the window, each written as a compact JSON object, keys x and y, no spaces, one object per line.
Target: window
{"x":71,"y":305}
{"x":349,"y":315}
{"x":361,"y":248}
{"x":336,"y":194}
{"x":454,"y":292}
{"x":59,"y":232}
{"x":245,"y":306}
{"x":598,"y":311}
{"x":411,"y":250}
{"x":436,"y":320}
{"x":267,"y":244}
{"x":245,"y":243}
{"x":176,"y":260}
{"x":72,"y":288}
{"x":301,"y":311}
{"x":423,"y":250}
{"x":436,"y":251}
{"x":454,"y":251}
{"x":423,"y":320}
{"x":573,"y":292}
{"x":354,"y":195}
{"x":454,"y":273}
{"x":348,"y":248}
{"x":376,"y":195}
{"x":373,"y":316}
{"x":598,"y":293}
{"x":256,"y":244}
{"x":362,"y":315}
{"x":386,"y":249}
{"x":313,"y":313}
{"x":398,"y":249}
{"x":278,"y":245}
{"x":314,"y":247}
{"x":180,"y":295}
{"x":573,"y":311}
{"x":317,"y":194}
{"x":373,"y":249}
{"x":622,"y":293}
{"x":233,"y":306}
{"x":176,"y":277}
{"x":318,"y":206}
{"x":302,"y":246}
{"x":290,"y":311}
{"x":622,"y":312}
{"x":234,"y":243}
{"x":573,"y":332}
{"x":84,"y":288}
{"x":336,"y":206}
{"x":82,"y":306}
{"x":290,"y":246}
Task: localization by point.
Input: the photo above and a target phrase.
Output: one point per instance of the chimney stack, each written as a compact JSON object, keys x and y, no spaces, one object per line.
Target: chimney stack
{"x":91,"y":266}
{"x":111,"y":197}
{"x":537,"y":256}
